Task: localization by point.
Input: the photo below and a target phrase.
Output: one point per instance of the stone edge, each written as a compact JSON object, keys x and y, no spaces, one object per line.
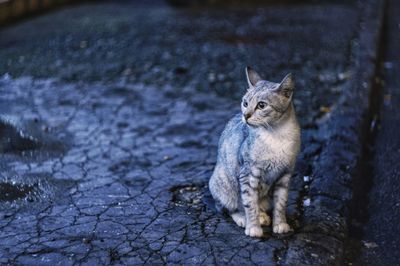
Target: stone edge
{"x":324,"y":230}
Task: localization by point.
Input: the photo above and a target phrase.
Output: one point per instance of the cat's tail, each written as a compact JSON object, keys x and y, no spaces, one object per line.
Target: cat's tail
{"x":224,"y":191}
{"x":219,"y":207}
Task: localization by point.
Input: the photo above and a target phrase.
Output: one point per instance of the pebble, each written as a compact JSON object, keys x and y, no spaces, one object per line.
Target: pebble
{"x":306,"y":202}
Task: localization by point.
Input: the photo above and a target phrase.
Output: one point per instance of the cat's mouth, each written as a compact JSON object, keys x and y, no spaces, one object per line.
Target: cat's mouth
{"x":249,"y":123}
{"x":246,"y":121}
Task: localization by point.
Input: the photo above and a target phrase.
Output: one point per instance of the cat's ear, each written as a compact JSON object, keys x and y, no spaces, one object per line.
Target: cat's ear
{"x":252,"y":77}
{"x":286,"y":86}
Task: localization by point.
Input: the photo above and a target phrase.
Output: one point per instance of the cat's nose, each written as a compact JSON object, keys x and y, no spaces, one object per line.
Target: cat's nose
{"x":247,"y":116}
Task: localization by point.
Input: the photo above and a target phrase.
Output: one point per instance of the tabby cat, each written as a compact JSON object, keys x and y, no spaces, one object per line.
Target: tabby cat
{"x":256,"y":156}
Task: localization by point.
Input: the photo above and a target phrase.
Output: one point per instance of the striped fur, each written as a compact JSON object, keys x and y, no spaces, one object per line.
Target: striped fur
{"x":256,"y":156}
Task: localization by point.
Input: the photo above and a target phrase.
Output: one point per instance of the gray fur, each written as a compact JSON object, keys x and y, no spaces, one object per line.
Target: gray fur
{"x":256,"y":156}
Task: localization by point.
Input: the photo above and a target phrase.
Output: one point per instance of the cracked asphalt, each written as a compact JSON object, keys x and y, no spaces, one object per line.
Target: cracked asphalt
{"x":110,"y":118}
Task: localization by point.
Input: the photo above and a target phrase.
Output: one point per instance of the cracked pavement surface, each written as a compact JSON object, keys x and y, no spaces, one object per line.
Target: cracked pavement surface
{"x":110,"y":118}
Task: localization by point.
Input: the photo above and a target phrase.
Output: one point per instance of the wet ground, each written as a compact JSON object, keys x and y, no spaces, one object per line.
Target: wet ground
{"x":110,"y":117}
{"x":380,"y":244}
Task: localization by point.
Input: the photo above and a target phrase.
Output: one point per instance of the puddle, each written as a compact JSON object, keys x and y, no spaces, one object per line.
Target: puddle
{"x":28,"y":138}
{"x":19,"y":190}
{"x":191,"y":195}
{"x":13,"y":139}
{"x":195,"y":196}
{"x":187,"y":195}
{"x":12,"y":191}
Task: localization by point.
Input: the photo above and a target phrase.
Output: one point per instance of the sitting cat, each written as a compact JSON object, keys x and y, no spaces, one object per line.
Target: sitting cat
{"x":256,"y":156}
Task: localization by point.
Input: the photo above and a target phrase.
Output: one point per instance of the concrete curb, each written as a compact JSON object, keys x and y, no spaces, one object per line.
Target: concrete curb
{"x":324,"y":229}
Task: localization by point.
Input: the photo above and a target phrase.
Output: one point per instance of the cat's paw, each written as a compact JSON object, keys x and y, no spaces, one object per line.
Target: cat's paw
{"x":281,"y":228}
{"x":264,"y":219}
{"x":254,"y":231}
{"x":239,"y":219}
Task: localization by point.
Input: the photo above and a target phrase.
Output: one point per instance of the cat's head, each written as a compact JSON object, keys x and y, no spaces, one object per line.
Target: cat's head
{"x":265,"y":103}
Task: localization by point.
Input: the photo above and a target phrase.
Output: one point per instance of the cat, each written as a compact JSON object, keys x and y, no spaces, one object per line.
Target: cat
{"x":257,"y":153}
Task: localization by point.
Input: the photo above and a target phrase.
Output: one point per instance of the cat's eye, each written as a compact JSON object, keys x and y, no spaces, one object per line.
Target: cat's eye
{"x":261,"y":105}
{"x":245,"y":103}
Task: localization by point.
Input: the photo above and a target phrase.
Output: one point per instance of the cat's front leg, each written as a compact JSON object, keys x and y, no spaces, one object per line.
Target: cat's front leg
{"x":249,"y":183}
{"x":264,"y":218}
{"x":279,"y":225}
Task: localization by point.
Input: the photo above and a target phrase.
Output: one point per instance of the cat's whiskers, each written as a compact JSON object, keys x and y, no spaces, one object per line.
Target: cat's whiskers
{"x":269,"y":127}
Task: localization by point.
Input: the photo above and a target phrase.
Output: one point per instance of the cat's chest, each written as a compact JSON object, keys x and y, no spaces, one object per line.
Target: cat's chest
{"x":269,"y":148}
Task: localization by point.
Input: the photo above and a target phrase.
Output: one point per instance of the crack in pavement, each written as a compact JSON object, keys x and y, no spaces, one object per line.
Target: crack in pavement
{"x":129,"y":187}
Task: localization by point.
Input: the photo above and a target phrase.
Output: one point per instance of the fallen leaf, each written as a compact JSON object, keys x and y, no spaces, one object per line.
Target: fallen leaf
{"x":387,"y":98}
{"x":83,"y":44}
{"x":325,"y":109}
{"x":370,"y":244}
